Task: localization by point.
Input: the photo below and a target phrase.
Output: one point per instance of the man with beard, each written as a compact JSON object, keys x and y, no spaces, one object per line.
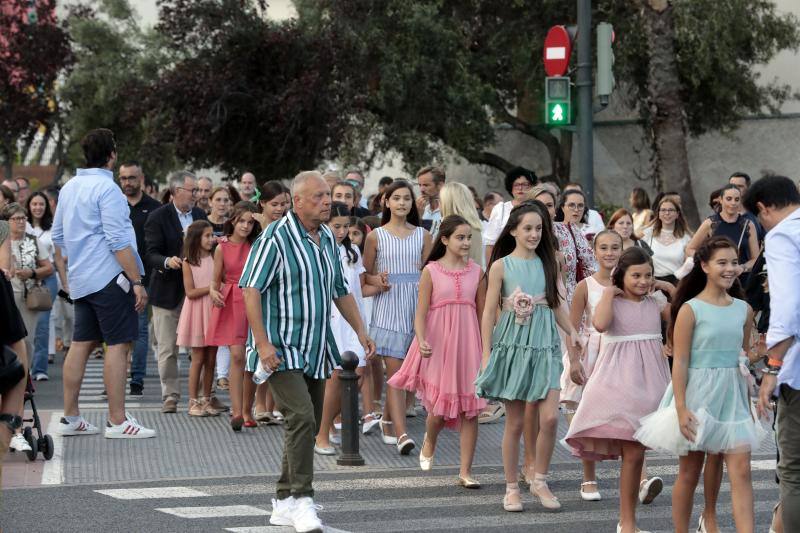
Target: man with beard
{"x":131,"y":180}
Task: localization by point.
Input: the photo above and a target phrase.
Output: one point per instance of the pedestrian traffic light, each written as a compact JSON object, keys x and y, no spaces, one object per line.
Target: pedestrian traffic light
{"x":557,"y":101}
{"x":605,"y":61}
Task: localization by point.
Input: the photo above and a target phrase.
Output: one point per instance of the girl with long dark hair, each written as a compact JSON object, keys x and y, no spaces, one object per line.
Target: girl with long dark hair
{"x":522,"y":349}
{"x":445,"y":356}
{"x":706,"y":409}
{"x":393,"y":255}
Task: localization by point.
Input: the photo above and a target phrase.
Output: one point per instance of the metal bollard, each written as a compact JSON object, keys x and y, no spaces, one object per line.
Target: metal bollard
{"x":350,"y":420}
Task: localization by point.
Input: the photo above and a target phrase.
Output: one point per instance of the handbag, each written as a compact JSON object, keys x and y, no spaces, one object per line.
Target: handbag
{"x":37,"y":298}
{"x":579,"y":266}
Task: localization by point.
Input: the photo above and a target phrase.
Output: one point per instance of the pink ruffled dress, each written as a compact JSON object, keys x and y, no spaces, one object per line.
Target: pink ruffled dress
{"x":196,"y":313}
{"x":444,"y":382}
{"x":228,"y":324}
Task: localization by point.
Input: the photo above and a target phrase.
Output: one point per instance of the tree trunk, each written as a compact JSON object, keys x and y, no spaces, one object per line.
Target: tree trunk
{"x":668,"y":128}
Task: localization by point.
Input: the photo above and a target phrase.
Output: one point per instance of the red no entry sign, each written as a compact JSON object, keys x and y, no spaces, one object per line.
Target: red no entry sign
{"x":557,"y":49}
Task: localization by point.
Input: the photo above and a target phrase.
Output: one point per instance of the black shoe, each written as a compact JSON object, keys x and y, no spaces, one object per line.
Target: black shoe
{"x":136,"y":389}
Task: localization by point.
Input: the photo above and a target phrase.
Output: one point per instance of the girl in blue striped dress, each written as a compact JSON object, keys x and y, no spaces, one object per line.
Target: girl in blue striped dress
{"x":393,"y":256}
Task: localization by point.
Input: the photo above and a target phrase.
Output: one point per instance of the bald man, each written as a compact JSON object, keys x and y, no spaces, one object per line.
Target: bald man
{"x":298,"y":246}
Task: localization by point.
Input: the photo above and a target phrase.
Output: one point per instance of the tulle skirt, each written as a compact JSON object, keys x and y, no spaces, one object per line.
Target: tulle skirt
{"x":727,"y":423}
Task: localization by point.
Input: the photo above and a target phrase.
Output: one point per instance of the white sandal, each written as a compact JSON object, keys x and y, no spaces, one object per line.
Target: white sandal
{"x":387,"y":439}
{"x":590,"y":496}
{"x":405,"y":444}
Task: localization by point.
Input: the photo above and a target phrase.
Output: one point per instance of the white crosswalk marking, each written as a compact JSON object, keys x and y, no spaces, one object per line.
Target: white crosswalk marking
{"x":152,"y":493}
{"x":218,"y":511}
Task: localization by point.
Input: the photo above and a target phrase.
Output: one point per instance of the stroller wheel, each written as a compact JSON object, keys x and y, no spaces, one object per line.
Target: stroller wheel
{"x":27,"y":434}
{"x":46,"y":446}
{"x":34,"y":444}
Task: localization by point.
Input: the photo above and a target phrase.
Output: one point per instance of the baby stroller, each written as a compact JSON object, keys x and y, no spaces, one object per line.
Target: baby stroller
{"x":44,"y":443}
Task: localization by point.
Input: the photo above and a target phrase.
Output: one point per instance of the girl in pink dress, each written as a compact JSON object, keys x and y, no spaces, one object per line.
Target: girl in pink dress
{"x":228,"y":325}
{"x":445,"y":356}
{"x":629,"y":377}
{"x":198,"y":269}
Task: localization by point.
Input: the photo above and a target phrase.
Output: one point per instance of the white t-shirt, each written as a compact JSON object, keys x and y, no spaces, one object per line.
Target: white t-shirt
{"x":346,"y":338}
{"x":45,"y":241}
{"x":497,"y":221}
{"x":666,"y":259}
{"x":594,"y":223}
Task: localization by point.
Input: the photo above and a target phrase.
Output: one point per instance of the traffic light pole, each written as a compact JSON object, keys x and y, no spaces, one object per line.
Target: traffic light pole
{"x":585,"y":111}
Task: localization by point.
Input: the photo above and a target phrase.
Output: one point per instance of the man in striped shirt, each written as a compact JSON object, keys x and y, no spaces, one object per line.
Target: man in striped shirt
{"x":290,"y":279}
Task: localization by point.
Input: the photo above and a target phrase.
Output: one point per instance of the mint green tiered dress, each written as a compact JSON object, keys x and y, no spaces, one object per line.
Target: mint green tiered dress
{"x":525,"y":362}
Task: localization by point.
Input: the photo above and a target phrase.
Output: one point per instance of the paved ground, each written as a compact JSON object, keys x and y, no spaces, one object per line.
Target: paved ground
{"x":202,"y":477}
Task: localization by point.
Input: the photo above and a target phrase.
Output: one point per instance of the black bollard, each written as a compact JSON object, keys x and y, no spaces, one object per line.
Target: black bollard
{"x":350,"y":420}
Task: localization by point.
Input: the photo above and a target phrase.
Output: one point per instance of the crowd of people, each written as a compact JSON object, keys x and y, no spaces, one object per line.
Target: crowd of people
{"x":633,"y":325}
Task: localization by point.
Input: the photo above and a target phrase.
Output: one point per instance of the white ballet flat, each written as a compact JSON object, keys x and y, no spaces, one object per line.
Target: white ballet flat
{"x":590,"y":496}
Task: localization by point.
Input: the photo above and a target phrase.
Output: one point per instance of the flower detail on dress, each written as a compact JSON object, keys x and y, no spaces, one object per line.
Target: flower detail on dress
{"x":522,"y":304}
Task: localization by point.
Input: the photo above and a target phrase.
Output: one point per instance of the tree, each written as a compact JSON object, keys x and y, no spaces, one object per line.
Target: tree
{"x":118,"y":65}
{"x":445,"y":73}
{"x":34,"y":50}
{"x":244,"y":92}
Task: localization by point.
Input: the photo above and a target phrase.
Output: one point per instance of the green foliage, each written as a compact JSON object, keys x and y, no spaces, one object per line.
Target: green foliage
{"x":719,"y":47}
{"x":117,"y":65}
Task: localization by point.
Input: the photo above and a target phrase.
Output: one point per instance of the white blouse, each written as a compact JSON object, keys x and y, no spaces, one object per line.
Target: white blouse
{"x":497,"y":221}
{"x":666,"y":258}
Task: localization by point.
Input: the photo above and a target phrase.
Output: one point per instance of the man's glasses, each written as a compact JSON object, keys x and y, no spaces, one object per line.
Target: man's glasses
{"x":193,"y":191}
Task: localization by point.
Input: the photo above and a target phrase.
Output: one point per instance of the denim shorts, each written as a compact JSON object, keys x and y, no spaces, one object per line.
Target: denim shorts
{"x":108,"y":315}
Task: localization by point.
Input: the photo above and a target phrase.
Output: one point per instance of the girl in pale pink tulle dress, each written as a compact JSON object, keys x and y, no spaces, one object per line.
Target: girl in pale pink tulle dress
{"x":445,"y":356}
{"x":629,"y":376}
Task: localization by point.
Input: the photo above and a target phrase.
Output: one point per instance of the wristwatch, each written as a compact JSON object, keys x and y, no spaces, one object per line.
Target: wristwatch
{"x":137,"y":282}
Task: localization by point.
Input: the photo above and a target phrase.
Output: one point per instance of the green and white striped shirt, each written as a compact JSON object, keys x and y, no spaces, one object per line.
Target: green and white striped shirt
{"x":298,"y":280}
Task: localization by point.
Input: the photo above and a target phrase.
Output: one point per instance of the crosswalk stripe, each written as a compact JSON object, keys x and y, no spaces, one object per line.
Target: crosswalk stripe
{"x":146,"y":493}
{"x":277,"y":529}
{"x":218,"y":511}
{"x":104,"y":405}
{"x":532,"y":516}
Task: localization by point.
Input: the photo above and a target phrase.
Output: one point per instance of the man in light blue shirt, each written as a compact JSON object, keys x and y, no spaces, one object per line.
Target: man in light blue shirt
{"x":776,"y":202}
{"x":92,"y":225}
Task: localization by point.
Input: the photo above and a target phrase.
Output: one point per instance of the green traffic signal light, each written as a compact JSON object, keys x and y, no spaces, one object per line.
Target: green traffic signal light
{"x":558,"y":113}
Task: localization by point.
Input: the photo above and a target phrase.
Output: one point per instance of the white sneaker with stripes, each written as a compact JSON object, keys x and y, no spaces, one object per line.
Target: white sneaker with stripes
{"x":129,"y":429}
{"x":81,"y":427}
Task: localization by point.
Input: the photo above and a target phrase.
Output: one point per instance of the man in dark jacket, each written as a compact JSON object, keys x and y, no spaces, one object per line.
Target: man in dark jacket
{"x":164,"y":231}
{"x":131,"y":180}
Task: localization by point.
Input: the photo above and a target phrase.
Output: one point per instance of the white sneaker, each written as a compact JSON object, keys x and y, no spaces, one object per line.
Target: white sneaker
{"x":129,"y":429}
{"x":40,"y":377}
{"x":649,"y":489}
{"x":81,"y":427}
{"x":282,"y":511}
{"x":305,"y":516}
{"x":19,"y":443}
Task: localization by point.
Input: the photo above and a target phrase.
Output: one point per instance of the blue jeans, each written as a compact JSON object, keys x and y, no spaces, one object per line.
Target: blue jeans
{"x":42,"y":339}
{"x":140,"y":348}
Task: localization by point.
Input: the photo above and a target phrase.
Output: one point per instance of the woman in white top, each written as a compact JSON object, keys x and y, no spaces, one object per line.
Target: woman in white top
{"x":456,"y":199}
{"x":40,"y":218}
{"x":667,"y":237}
{"x":518,"y":182}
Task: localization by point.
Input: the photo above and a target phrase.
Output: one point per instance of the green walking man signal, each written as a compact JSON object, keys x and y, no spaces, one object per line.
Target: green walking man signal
{"x":558,"y":108}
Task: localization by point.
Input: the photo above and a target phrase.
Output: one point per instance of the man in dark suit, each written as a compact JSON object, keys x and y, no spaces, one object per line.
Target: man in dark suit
{"x":164,"y":231}
{"x":131,"y":180}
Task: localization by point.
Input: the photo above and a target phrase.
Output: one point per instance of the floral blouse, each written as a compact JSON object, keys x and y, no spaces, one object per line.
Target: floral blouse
{"x":572,"y":250}
{"x":27,"y":253}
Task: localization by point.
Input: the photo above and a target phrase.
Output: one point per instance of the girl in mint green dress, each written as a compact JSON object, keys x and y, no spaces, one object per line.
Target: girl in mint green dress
{"x":522,"y":352}
{"x":706,"y":409}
